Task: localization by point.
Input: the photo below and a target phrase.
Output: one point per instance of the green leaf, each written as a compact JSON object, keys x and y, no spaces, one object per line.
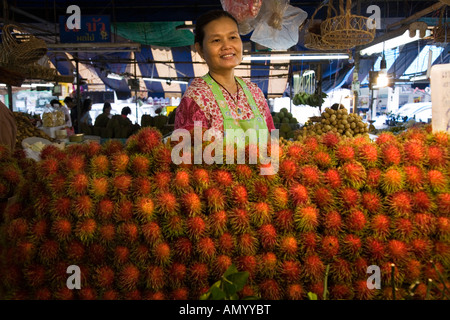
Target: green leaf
{"x":312,"y":296}
{"x":239,"y":279}
{"x":251,"y":298}
{"x":229,"y":288}
{"x":231,"y":269}
{"x":217,"y":294}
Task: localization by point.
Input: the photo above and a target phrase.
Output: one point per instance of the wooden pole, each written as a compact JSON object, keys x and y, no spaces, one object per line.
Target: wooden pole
{"x":417,"y":15}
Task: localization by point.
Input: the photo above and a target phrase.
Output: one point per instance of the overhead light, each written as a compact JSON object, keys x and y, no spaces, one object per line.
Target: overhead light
{"x":330,"y":56}
{"x":35,"y":85}
{"x":114,"y":76}
{"x":2,"y":85}
{"x":392,"y":43}
{"x":419,"y":78}
{"x":168,"y":81}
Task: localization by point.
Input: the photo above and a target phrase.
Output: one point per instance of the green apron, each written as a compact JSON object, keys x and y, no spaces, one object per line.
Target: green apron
{"x":257,"y":122}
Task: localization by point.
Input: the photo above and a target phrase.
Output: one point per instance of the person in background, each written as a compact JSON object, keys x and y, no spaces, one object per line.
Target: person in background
{"x":103,"y":118}
{"x":8,"y":127}
{"x":85,"y":115}
{"x":125,"y":112}
{"x":67,"y":108}
{"x":220,"y":100}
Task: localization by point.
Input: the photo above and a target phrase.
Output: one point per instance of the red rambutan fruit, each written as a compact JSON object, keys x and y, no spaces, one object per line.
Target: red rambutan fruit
{"x":340,"y":291}
{"x":181,"y":181}
{"x":442,"y":252}
{"x":83,"y":206}
{"x":192,"y":204}
{"x":162,"y":180}
{"x":166,"y":203}
{"x":351,"y":245}
{"x":87,"y":293}
{"x":310,"y":175}
{"x":311,"y":143}
{"x":129,"y":277}
{"x":330,"y":246}
{"x":139,"y":165}
{"x":198,"y":273}
{"x":144,"y":208}
{"x":268,"y":264}
{"x":313,"y":268}
{"x":270,"y":290}
{"x":124,"y":210}
{"x":128,"y":232}
{"x":353,"y":174}
{"x":288,"y":170}
{"x":323,"y":197}
{"x":79,"y":184}
{"x":391,"y":155}
{"x":249,"y":264}
{"x":443,"y":203}
{"x":155,"y":277}
{"x":288,"y":246}
{"x":39,"y":230}
{"x":397,"y":250}
{"x":268,"y":236}
{"x":24,"y":252}
{"x":295,"y":292}
{"x":413,"y":270}
{"x":332,"y":222}
{"x":85,"y":230}
{"x":162,"y":253}
{"x":309,"y":242}
{"x":122,"y":183}
{"x":341,"y":270}
{"x":180,"y":294}
{"x":107,"y":233}
{"x":296,"y":152}
{"x":215,"y":199}
{"x":239,"y":195}
{"x":421,"y":248}
{"x":436,"y":156}
{"x":362,"y":292}
{"x":177,"y":273}
{"x":443,"y":227}
{"x":432,"y":269}
{"x":200,"y":178}
{"x":368,"y":154}
{"x":75,"y":251}
{"x":61,"y":207}
{"x":299,"y":194}
{"x":99,"y":165}
{"x":75,"y":164}
{"x":119,"y":162}
{"x":12,"y":211}
{"x":414,"y":152}
{"x":173,"y":226}
{"x":284,"y":220}
{"x":218,"y":222}
{"x":360,"y":266}
{"x":260,"y":190}
{"x":246,"y":243}
{"x":323,"y":159}
{"x":400,"y":203}
{"x":436,"y":181}
{"x":183,"y":248}
{"x":62,"y":229}
{"x":280,"y":197}
{"x":226,"y":243}
{"x":47,"y":167}
{"x":373,"y":178}
{"x":413,"y":178}
{"x":221,"y":264}
{"x":421,"y":201}
{"x":49,"y":251}
{"x":17,"y":229}
{"x":291,"y":270}
{"x":330,"y":139}
{"x":317,"y":288}
{"x":260,"y":213}
{"x":141,"y":186}
{"x":306,"y":218}
{"x":99,"y":187}
{"x":243,"y":172}
{"x":424,"y":223}
{"x":110,"y":295}
{"x":333,"y":179}
{"x":239,"y":220}
{"x":223,"y":178}
{"x":96,"y":253}
{"x":376,"y":249}
{"x":371,"y":202}
{"x":345,"y":152}
{"x":386,"y":273}
{"x":403,"y":228}
{"x":105,"y":209}
{"x":196,"y":227}
{"x":349,"y":197}
{"x":64,"y":293}
{"x":380,"y":225}
{"x":147,"y":139}
{"x":206,"y":248}
{"x":121,"y":255}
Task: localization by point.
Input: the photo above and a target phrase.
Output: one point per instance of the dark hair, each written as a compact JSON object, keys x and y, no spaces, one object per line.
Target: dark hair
{"x":106,"y":105}
{"x":86,"y":104}
{"x":68,"y":100}
{"x":126,"y":111}
{"x":206,"y":18}
{"x":54,"y":101}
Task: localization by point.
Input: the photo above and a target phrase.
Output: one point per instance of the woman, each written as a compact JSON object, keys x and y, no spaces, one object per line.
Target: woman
{"x":103,"y":118}
{"x":85,"y":115}
{"x":243,"y":105}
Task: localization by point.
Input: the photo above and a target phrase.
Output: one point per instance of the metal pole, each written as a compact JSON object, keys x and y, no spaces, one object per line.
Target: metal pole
{"x":136,"y":87}
{"x":78,"y":94}
{"x":10,"y":97}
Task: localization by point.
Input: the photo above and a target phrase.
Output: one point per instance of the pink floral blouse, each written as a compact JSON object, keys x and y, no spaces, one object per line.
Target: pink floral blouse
{"x":198,"y":104}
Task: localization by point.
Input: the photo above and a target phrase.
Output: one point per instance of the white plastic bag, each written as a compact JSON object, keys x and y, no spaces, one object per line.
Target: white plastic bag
{"x":244,"y":11}
{"x":278,"y":23}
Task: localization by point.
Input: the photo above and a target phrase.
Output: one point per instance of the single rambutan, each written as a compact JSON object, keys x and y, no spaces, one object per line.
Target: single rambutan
{"x":10,"y":173}
{"x":206,"y":249}
{"x":39,"y":230}
{"x":317,"y":288}
{"x":155,"y":277}
{"x":386,"y":273}
{"x":146,"y":140}
{"x":64,"y":293}
{"x":140,"y":253}
{"x":75,"y":251}
{"x":443,"y":203}
{"x":311,"y":143}
{"x":360,"y":265}
{"x":47,"y":167}
{"x":349,"y":197}
{"x":105,"y":209}
{"x":437,"y":181}
{"x":198,"y":273}
{"x":270,"y":290}
{"x":403,"y":228}
{"x":243,"y":172}
{"x":288,"y":170}
{"x":119,"y":162}
{"x":183,"y":248}
{"x":85,"y":230}
{"x":17,"y":229}
{"x":341,"y":291}
{"x":96,"y":254}
{"x":380,"y":225}
{"x":371,"y":202}
{"x":260,"y":190}
{"x":248,"y":291}
{"x":247,"y":243}
{"x":332,"y":178}
{"x":345,"y":153}
{"x":87,"y":293}
{"x":288,"y":246}
{"x":353,"y":174}
{"x":239,"y":196}
{"x":141,"y":186}
{"x":181,"y":181}
{"x":392,"y":180}
{"x":12,"y":211}
{"x":413,"y":178}
{"x":310,"y":175}
{"x":443,"y":228}
{"x":49,"y":151}
{"x":218,"y":222}
{"x":294,"y":291}
{"x":323,"y":159}
{"x":110,"y":295}
{"x":144,"y":208}
{"x":215,"y":199}
{"x":121,"y":184}
{"x":128,"y":232}
{"x":124,"y":210}
{"x":49,"y":251}
{"x":121,"y":255}
{"x":280,"y":197}
{"x":291,"y":270}
{"x":62,"y":229}
{"x":223,"y":178}
{"x":239,"y":220}
{"x":249,"y":264}
{"x":323,"y":197}
{"x":268,"y":264}
{"x":200,"y":178}
{"x":284,"y":220}
{"x":306,"y":218}
{"x":361,"y":290}
{"x":332,"y":222}
{"x":195,"y":227}
{"x":83,"y":206}
{"x":177,"y":273}
{"x":260,"y":213}
{"x":129,"y":277}
{"x":299,"y":194}
{"x":330,"y":246}
{"x":221,"y":264}
{"x":341,"y":270}
{"x":61,"y":207}
{"x":74,"y":164}
{"x":391,"y":154}
{"x":436,"y":156}
{"x":421,"y":201}
{"x":367,"y":154}
{"x":296,"y":152}
{"x":313,"y":268}
{"x":162,"y":253}
{"x":166,"y":203}
{"x":330,"y":139}
{"x":309,"y":242}
{"x":98,"y":187}
{"x":400,"y":203}
{"x":413,"y":270}
{"x":376,"y":249}
{"x":433,"y":270}
{"x":107,"y":233}
{"x":397,"y":250}
{"x":99,"y":165}
{"x":226,"y":243}
{"x":421,"y":248}
{"x":351,"y":245}
{"x":180,"y":293}
{"x":373,"y":178}
{"x":173,"y":226}
{"x":442,"y":252}
{"x":78,"y":184}
{"x":424,"y":223}
{"x":192,"y":204}
{"x":414,"y":152}
{"x":139,"y":165}
{"x":162,"y":180}
{"x":267,"y":236}
{"x":24,"y":252}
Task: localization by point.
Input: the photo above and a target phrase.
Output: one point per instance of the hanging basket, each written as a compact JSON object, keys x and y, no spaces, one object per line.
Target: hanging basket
{"x":11,"y":77}
{"x":313,"y":38}
{"x":21,"y":48}
{"x":441,"y":33}
{"x":346,"y":30}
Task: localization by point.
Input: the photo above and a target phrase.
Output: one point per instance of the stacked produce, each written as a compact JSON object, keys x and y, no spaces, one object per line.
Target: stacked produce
{"x":140,"y":227}
{"x":337,"y":121}
{"x":26,"y":128}
{"x":286,"y":122}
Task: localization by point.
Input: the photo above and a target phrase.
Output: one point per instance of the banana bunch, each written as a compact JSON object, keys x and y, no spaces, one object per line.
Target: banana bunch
{"x":313,"y":100}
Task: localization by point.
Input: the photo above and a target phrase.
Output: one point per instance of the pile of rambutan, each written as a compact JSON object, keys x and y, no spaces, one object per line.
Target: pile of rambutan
{"x":140,"y":227}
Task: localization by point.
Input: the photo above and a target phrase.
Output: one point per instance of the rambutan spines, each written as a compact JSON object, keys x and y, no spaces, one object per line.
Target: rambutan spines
{"x":391,"y":154}
{"x":436,"y":156}
{"x":288,"y":170}
{"x":323,"y":198}
{"x":139,"y":165}
{"x":392,"y":180}
{"x":268,"y":264}
{"x":313,"y":268}
{"x":239,"y":195}
{"x":437,"y":181}
{"x":191,"y":204}
{"x":344,"y":153}
{"x":332,"y":222}
{"x":414,"y":177}
{"x":310,"y":175}
{"x":353,"y":174}
{"x":306,"y":218}
{"x":368,"y":154}
{"x":400,"y":204}
{"x":332,"y":179}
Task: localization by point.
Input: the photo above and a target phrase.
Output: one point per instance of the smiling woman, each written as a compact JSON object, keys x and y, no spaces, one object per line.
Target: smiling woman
{"x":219,"y":99}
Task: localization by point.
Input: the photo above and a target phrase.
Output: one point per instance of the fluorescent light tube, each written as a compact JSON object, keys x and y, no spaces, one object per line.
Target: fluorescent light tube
{"x":168,"y":81}
{"x":114,"y":76}
{"x":418,"y":78}
{"x":297,"y":57}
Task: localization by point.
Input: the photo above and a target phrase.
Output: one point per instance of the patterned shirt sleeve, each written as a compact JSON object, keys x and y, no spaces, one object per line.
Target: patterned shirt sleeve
{"x":187,"y":112}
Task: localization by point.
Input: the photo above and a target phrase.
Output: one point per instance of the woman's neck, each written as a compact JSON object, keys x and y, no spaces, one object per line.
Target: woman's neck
{"x":226,"y":80}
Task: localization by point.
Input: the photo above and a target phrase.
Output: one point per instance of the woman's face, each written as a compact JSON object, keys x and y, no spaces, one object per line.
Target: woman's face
{"x":222,"y":45}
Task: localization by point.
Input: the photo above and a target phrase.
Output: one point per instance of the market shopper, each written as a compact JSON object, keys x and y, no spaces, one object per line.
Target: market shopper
{"x":85,"y":118}
{"x":8,"y":127}
{"x":103,"y":118}
{"x":243,"y":104}
{"x":125,"y":112}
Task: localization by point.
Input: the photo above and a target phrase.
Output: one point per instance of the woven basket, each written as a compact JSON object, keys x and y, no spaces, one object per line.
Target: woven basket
{"x":11,"y":77}
{"x":345,"y":30}
{"x":313,"y":38}
{"x":21,"y":47}
{"x":441,"y":33}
